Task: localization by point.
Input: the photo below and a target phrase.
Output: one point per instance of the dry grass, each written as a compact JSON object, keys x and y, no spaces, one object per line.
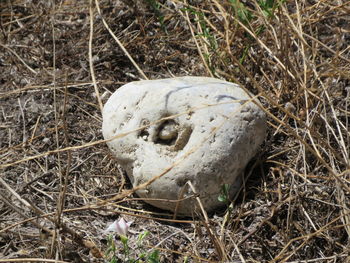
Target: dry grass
{"x":61,"y":60}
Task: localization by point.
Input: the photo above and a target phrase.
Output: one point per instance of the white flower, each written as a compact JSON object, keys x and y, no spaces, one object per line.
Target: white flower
{"x":119,"y":226}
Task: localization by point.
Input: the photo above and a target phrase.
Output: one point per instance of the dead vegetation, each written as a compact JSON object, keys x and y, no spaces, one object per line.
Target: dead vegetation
{"x":61,"y":60}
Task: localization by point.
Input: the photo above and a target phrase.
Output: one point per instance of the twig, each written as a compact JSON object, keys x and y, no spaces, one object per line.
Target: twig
{"x":77,"y":237}
{"x":196,"y":42}
{"x":24,"y":121}
{"x":118,"y":42}
{"x":91,"y":63}
{"x":32,"y":260}
{"x":19,"y":58}
{"x":238,"y":252}
{"x":217,"y":243}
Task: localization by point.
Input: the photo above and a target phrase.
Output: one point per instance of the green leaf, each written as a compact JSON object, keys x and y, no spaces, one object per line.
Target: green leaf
{"x":124,"y":240}
{"x":153,"y":257}
{"x":224,"y":193}
{"x":244,"y":15}
{"x":114,"y":260}
{"x":142,"y":236}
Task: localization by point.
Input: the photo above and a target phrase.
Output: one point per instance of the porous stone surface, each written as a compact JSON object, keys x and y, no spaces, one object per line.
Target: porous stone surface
{"x":196,"y":129}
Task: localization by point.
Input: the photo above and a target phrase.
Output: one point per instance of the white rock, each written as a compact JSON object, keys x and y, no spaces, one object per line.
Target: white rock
{"x":210,"y":133}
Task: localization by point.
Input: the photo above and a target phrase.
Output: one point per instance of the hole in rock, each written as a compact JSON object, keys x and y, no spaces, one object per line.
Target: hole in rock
{"x":172,"y":134}
{"x":144,"y":134}
{"x":183,"y":138}
{"x":167,"y":133}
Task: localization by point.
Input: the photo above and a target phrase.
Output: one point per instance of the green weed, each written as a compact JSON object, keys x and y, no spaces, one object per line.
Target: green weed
{"x":141,"y":256}
{"x":155,"y":6}
{"x":246,"y":16}
{"x":206,"y":34}
{"x":224,"y":194}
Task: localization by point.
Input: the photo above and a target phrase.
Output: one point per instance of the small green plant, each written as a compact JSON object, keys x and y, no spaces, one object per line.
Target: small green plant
{"x":111,"y":250}
{"x":206,"y":34}
{"x":242,"y":12}
{"x":224,"y":196}
{"x":152,"y":256}
{"x":127,"y":257}
{"x":268,"y":7}
{"x":245,"y":15}
{"x":156,"y":9}
{"x":114,"y":254}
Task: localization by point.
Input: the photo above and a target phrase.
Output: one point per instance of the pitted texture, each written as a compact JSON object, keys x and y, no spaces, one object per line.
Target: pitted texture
{"x":208,"y":127}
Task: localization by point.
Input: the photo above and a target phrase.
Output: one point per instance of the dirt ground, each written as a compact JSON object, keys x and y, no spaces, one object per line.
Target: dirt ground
{"x":60,"y":187}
